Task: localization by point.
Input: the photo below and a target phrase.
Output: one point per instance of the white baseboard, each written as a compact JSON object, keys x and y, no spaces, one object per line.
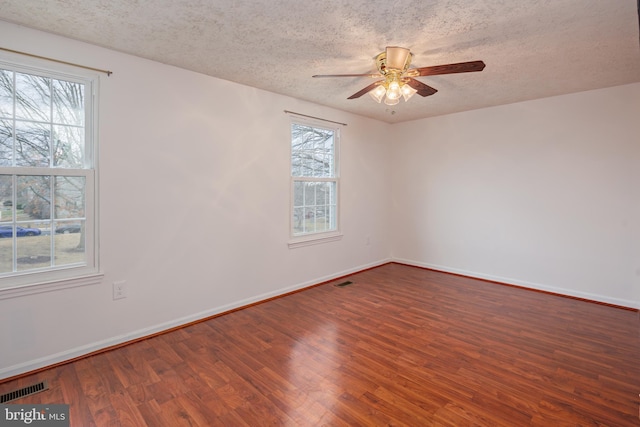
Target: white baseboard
{"x":524,"y":284}
{"x":63,"y":356}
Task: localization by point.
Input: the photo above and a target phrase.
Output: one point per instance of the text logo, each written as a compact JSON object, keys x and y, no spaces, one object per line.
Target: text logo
{"x":34,"y":415}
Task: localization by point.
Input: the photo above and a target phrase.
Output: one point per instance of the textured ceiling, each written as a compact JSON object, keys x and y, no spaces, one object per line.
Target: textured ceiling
{"x":532,"y":48}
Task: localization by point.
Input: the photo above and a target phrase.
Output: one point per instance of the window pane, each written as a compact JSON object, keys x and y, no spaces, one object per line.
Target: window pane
{"x":34,"y":198}
{"x":33,"y":246}
{"x":68,"y":102}
{"x":332,"y":217}
{"x":6,"y":198}
{"x":298,"y":194}
{"x":68,"y":149}
{"x":298,"y":220}
{"x":314,"y":207}
{"x":320,"y":167}
{"x":33,"y":97}
{"x":69,"y":192}
{"x":329,"y":164}
{"x":6,"y":93}
{"x":307,"y":163}
{"x":32,"y":144}
{"x":312,"y":151}
{"x":6,"y":142}
{"x":296,"y":164}
{"x":6,"y":249}
{"x":332,"y":194}
{"x":69,"y":243}
{"x":309,"y":194}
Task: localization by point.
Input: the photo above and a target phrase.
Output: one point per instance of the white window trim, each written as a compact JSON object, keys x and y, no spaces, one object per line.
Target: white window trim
{"x":315,"y":239}
{"x":51,"y":285}
{"x":308,"y":239}
{"x":29,"y":283}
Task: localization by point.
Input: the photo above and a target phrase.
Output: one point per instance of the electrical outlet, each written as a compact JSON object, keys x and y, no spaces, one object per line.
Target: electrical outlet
{"x":119,"y":289}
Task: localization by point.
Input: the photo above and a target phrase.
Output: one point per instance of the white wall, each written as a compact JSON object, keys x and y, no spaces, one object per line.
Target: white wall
{"x":543,"y":194}
{"x":194,"y":199}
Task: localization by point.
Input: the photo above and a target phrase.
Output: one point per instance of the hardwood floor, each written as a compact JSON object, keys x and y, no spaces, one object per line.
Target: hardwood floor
{"x":399,"y":346}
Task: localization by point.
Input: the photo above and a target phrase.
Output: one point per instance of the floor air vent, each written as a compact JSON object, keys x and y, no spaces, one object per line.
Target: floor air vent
{"x":343,"y":284}
{"x":26,"y":391}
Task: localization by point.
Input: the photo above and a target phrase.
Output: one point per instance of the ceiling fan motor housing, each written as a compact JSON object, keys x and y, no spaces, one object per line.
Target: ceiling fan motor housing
{"x":395,"y":59}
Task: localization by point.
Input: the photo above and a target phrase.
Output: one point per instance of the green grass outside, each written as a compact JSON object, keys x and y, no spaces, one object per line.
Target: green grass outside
{"x":35,"y":251}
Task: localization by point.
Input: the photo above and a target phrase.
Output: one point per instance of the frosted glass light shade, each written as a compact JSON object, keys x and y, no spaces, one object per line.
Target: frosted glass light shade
{"x":391,"y":101}
{"x":407,"y":92}
{"x":394,"y":91}
{"x":378,"y":93}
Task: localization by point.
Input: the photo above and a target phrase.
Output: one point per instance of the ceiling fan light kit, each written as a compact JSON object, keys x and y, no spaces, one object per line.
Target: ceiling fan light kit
{"x":392,"y":64}
{"x":398,"y":79}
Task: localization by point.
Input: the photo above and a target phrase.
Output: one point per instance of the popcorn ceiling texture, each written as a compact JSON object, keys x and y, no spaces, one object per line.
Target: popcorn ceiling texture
{"x":533,"y":49}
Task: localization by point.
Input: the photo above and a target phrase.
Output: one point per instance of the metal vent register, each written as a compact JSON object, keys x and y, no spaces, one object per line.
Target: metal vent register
{"x":343,"y":284}
{"x":25,"y":391}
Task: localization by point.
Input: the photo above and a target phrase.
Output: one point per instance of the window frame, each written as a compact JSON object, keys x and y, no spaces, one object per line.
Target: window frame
{"x":316,"y":237}
{"x":47,"y":279}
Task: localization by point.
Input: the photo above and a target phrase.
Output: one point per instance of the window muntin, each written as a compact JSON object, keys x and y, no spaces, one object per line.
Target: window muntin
{"x":47,"y":176}
{"x":314,"y":179}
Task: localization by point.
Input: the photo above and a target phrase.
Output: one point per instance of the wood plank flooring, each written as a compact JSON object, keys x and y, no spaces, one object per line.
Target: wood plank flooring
{"x":399,"y":346}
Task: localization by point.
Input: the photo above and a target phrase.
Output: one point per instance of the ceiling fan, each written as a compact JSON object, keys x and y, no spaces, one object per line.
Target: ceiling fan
{"x":398,"y":80}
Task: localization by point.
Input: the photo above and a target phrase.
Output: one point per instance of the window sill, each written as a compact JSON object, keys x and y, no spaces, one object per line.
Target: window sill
{"x":314,"y":239}
{"x":53,"y":285}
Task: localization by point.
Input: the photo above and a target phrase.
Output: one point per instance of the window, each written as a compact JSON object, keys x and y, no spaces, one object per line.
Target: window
{"x":47,"y":177}
{"x":314,"y":182}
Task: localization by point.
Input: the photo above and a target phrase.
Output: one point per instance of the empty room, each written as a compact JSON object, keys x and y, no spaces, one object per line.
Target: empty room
{"x":340,"y":213}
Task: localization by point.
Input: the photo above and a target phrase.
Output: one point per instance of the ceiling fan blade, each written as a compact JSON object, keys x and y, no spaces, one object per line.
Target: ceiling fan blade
{"x":374,"y":76}
{"x":422,"y":89}
{"x":366,"y":89}
{"x":460,"y":67}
